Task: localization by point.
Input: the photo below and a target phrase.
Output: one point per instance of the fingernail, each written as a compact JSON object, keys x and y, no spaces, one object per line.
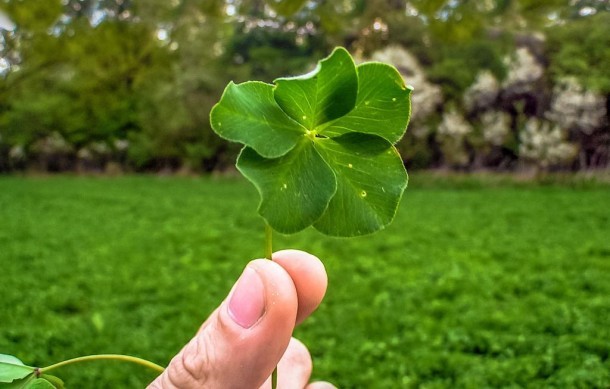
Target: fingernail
{"x":247,"y":304}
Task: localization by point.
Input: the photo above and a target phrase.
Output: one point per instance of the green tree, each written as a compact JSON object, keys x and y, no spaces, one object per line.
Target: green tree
{"x":580,"y":49}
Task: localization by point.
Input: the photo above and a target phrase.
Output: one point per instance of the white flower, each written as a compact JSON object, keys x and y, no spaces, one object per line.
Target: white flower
{"x":523,"y":71}
{"x":419,"y":131}
{"x":575,"y":107}
{"x":483,"y":92}
{"x":496,"y":127}
{"x":545,"y":144}
{"x":16,"y":152}
{"x":121,"y":144}
{"x":451,"y":133}
{"x":453,"y":125}
{"x":84,"y":153}
{"x":52,"y":144}
{"x":100,"y":148}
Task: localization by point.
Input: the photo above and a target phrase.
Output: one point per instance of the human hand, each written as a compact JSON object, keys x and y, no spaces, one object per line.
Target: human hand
{"x":244,"y":339}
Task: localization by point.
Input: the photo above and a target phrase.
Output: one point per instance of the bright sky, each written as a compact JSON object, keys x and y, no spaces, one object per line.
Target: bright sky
{"x":5,"y":22}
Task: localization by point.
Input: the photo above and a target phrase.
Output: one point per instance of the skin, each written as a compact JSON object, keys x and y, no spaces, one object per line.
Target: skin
{"x":241,"y":350}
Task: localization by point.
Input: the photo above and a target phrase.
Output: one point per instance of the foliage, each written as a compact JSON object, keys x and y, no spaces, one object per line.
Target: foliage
{"x":146,"y":73}
{"x":458,"y":292}
{"x":15,"y":375}
{"x":457,"y":66}
{"x":578,"y":49}
{"x":286,"y":8}
{"x":12,"y":369}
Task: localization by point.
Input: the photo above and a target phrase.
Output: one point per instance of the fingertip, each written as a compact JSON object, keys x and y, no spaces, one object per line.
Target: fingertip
{"x":321,"y":385}
{"x":309,"y":277}
{"x":295,"y":366}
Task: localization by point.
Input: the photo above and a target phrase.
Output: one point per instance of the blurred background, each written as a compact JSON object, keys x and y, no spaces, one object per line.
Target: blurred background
{"x":127,"y":85}
{"x":497,"y":279}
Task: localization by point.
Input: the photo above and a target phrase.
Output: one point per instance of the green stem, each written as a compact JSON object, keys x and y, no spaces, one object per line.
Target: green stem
{"x":268,"y":241}
{"x":268,"y":255}
{"x":116,"y":357}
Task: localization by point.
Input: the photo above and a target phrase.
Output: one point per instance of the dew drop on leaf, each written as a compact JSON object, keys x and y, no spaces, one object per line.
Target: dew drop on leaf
{"x":393,"y":98}
{"x":349,"y":165}
{"x":366,"y":103}
{"x":363,"y":193}
{"x":304,"y":117}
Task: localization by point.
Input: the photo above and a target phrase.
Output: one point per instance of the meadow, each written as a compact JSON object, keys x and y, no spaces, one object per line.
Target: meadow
{"x":479,"y":283}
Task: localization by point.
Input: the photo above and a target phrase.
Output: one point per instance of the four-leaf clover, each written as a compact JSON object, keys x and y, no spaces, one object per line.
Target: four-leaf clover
{"x":320,"y":147}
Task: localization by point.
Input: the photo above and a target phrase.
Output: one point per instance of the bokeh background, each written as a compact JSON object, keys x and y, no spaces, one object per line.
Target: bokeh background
{"x":127,"y":85}
{"x":123,"y":223}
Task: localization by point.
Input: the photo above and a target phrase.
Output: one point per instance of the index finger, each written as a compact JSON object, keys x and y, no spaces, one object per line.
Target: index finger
{"x":309,"y":277}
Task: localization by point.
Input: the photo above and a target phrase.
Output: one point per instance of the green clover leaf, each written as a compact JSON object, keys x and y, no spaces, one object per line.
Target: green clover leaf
{"x":328,"y":92}
{"x":383,"y":106}
{"x":40,"y":383}
{"x":12,"y":369}
{"x":247,"y":113}
{"x":300,"y":183}
{"x":320,"y":147}
{"x":370,"y":181}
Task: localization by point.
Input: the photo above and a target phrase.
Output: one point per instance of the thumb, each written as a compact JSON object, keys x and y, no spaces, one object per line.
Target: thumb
{"x":244,"y":339}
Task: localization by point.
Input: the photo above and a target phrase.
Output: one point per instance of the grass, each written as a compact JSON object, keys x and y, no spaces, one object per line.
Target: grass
{"x":478,"y":283}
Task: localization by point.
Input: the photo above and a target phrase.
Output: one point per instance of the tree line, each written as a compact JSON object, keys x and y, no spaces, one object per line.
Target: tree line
{"x":98,"y":85}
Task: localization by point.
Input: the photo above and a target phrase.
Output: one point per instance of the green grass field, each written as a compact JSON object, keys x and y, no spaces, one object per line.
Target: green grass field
{"x":477,"y":284}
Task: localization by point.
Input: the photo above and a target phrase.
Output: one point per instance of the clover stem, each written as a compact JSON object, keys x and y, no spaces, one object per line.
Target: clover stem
{"x":268,"y":241}
{"x":268,"y":255}
{"x":116,"y":357}
{"x":274,"y":379}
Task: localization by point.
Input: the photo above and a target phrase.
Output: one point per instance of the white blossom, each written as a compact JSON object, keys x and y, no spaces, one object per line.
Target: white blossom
{"x":496,"y":127}
{"x":84,"y":153}
{"x":483,"y":92}
{"x":523,"y":71}
{"x":419,"y":131}
{"x":100,"y":148}
{"x":17,"y":152}
{"x":451,"y":134}
{"x":454,"y":125}
{"x":121,"y":144}
{"x":93,"y":150}
{"x":52,"y":144}
{"x":545,"y":144}
{"x":575,"y":107}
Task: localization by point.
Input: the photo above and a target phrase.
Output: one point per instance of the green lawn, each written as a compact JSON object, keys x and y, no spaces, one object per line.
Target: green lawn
{"x":478,"y":283}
